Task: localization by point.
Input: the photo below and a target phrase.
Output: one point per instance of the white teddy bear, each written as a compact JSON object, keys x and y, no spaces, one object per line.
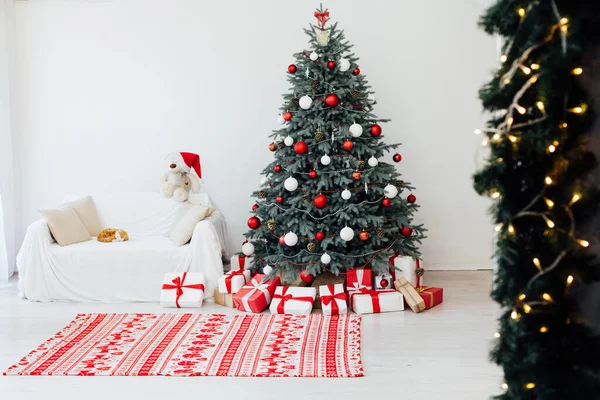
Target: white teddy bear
{"x":179,"y":179}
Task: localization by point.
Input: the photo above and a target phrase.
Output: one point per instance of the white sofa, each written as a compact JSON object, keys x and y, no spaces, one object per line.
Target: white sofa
{"x":125,"y":271}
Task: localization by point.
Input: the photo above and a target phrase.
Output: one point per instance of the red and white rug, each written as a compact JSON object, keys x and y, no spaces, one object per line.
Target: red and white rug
{"x":200,"y":344}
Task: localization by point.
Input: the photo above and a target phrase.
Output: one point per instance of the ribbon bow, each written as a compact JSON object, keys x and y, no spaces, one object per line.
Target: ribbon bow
{"x":330,"y":298}
{"x":285,"y":297}
{"x":178,"y":286}
{"x":321,"y":18}
{"x":230,"y":276}
{"x":255,"y":286}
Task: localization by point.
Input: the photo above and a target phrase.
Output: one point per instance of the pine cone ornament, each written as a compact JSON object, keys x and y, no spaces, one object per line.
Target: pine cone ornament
{"x":319,"y":136}
{"x":399,"y":184}
{"x":380,"y":233}
{"x":311,"y":247}
{"x":306,"y":198}
{"x":361,"y":165}
{"x":262,"y":194}
{"x":281,"y":145}
{"x":272,"y":224}
{"x":355,"y":94}
{"x":315,"y":84}
{"x":295,"y":102}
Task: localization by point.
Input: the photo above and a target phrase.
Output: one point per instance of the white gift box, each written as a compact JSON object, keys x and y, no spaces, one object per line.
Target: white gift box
{"x":333,"y":299}
{"x":233,"y":281}
{"x":182,"y":289}
{"x":376,"y":301}
{"x":384,"y":281}
{"x":293,"y":300}
{"x":241,"y":263}
{"x":408,"y":267}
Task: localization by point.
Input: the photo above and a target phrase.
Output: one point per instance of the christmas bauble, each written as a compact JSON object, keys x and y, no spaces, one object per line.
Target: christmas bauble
{"x":277,"y":168}
{"x":279,"y":199}
{"x":272,"y":146}
{"x":248,"y":249}
{"x":384,"y":283}
{"x":254,"y":207}
{"x":386,"y":202}
{"x":314,"y":56}
{"x":406,"y":231}
{"x":325,"y":160}
{"x":355,"y":130}
{"x":267,"y":269}
{"x":397,"y":157}
{"x":363,"y":235}
{"x":306,"y":277}
{"x":390,"y":191}
{"x":282,"y":239}
{"x":300,"y":147}
{"x":291,"y":239}
{"x":320,"y":201}
{"x":346,"y":194}
{"x":288,"y":141}
{"x":305,"y":102}
{"x":253,"y":222}
{"x":319,"y":136}
{"x":262,"y":194}
{"x":411,"y":198}
{"x":347,"y":233}
{"x":331,"y":64}
{"x":292,"y":68}
{"x":373,"y":161}
{"x":319,"y":236}
{"x":375,"y":130}
{"x":272,"y":224}
{"x":287,"y":115}
{"x":312,"y":174}
{"x":290,"y":184}
{"x":356,"y":71}
{"x":371,"y":98}
{"x":356,"y":175}
{"x":311,"y":247}
{"x":280,"y":119}
{"x":325,"y":258}
{"x":331,"y":100}
{"x":344,"y":65}
{"x":380,"y":232}
{"x":348,"y":145}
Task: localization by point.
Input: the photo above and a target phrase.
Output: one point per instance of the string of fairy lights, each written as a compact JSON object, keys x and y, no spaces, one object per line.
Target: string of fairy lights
{"x":506,"y":129}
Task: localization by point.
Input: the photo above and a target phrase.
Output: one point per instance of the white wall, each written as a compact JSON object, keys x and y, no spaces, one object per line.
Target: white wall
{"x":106,"y":88}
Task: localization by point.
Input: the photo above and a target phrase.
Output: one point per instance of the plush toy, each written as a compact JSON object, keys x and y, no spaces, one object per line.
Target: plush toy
{"x":110,"y":235}
{"x":179,"y":180}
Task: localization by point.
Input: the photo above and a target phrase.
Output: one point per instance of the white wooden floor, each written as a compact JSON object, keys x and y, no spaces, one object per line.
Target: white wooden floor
{"x":439,"y":354}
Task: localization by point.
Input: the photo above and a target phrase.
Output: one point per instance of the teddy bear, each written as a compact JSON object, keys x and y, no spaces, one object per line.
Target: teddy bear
{"x":110,"y":235}
{"x":179,"y":180}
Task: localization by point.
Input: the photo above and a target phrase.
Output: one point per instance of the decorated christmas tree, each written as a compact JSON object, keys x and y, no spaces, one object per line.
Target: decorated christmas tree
{"x":542,"y":175}
{"x":329,"y":201}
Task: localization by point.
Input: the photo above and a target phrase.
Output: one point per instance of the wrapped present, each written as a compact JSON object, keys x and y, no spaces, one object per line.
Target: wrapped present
{"x":431,"y":295}
{"x":233,"y":281}
{"x":408,"y":267}
{"x":359,"y":278}
{"x":326,"y":278}
{"x":412,"y":298}
{"x":365,"y":301}
{"x":182,"y":290}
{"x":256,"y":295}
{"x":224,"y":299}
{"x":293,"y":300}
{"x":333,"y":299}
{"x":383,"y":281}
{"x":241,"y":262}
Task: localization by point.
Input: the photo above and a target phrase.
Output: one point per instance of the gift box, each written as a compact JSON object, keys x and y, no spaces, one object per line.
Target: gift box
{"x":224,"y":299}
{"x":333,"y":299}
{"x":256,"y":295}
{"x":324,"y":279}
{"x":241,"y":262}
{"x":431,"y":295}
{"x":409,"y":267}
{"x":365,"y":301}
{"x":359,"y":278}
{"x":293,"y":300}
{"x":412,"y":298}
{"x":182,"y":289}
{"x":383,"y":281}
{"x":233,"y":281}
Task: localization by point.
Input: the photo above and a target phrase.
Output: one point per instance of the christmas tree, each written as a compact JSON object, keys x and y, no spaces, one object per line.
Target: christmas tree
{"x":541,"y":177}
{"x":328,"y":201}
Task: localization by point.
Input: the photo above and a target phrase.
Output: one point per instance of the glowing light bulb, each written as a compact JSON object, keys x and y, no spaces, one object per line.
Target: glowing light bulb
{"x":577,"y":71}
{"x":498,"y":227}
{"x":570,"y":280}
{"x":500,"y":159}
{"x":550,"y":223}
{"x":533,"y":79}
{"x":536,"y":262}
{"x":584,"y":243}
{"x":521,"y":110}
{"x":512,"y":138}
{"x":522,"y":295}
{"x":552,"y":148}
{"x":527,"y":308}
{"x":564,"y":21}
{"x":504,"y":386}
{"x":514,"y":315}
{"x":497,"y":335}
{"x":543,"y":329}
{"x":535,"y":67}
{"x":495,"y":195}
{"x":576,"y":110}
{"x":563,"y":125}
{"x":511,"y":229}
{"x":530,"y":385}
{"x":547,"y":297}
{"x":510,"y":121}
{"x":503,"y":58}
{"x":575,"y":198}
{"x":506,"y":81}
{"x":496,"y":137}
{"x":548,"y":180}
{"x":521,"y":12}
{"x":549,"y":203}
{"x":478,"y":131}
{"x":540,"y":105}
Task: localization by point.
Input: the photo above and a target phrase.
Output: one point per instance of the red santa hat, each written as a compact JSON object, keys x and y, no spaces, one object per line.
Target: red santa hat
{"x":187,"y":162}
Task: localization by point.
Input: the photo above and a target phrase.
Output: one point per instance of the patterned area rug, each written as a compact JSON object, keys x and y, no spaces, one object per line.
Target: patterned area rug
{"x":199,"y":345}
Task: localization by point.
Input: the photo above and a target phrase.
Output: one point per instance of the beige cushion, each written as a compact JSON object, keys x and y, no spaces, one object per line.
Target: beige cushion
{"x":65,"y":225}
{"x":85,"y":208}
{"x":182,"y":231}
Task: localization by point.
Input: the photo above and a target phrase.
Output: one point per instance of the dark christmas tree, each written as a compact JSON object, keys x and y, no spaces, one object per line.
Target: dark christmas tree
{"x":328,"y":200}
{"x":542,"y":174}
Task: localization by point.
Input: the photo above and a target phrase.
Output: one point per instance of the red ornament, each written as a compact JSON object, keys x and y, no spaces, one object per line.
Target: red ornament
{"x":279,"y":199}
{"x":253,"y":222}
{"x":356,"y":71}
{"x":384,"y":283}
{"x":277,"y":168}
{"x":386,"y":202}
{"x":363,"y":235}
{"x":287,"y":115}
{"x":254,"y":207}
{"x":411,"y":198}
{"x":312,"y":174}
{"x":348,"y":145}
{"x":292,"y":68}
{"x":375,"y":130}
{"x":319,"y":236}
{"x":282,"y":240}
{"x":320,"y":201}
{"x":356,"y":175}
{"x":300,"y":147}
{"x":306,"y":277}
{"x":397,"y":157}
{"x":406,"y":231}
{"x":272,"y":146}
{"x":332,"y":100}
{"x":331,"y":64}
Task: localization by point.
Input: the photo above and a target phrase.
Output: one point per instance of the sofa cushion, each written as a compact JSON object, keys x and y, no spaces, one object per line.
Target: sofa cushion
{"x":183,"y":230}
{"x":65,"y":226}
{"x":85,"y":208}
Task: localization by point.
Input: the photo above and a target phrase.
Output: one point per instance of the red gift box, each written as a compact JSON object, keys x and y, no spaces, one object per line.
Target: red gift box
{"x":431,"y":295}
{"x":256,"y":295}
{"x":359,"y":278}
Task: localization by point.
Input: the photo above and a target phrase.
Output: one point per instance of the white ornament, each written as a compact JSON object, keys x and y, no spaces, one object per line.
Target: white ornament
{"x":371,"y":98}
{"x":288,"y":141}
{"x":267,"y":269}
{"x":248,"y":249}
{"x":290,"y":239}
{"x":314,"y":56}
{"x":305,"y":102}
{"x":280,"y":119}
{"x":323,"y":38}
{"x":325,"y":258}
{"x":290,"y":184}
{"x":356,"y":130}
{"x":390,"y":191}
{"x":346,"y":194}
{"x":344,"y":65}
{"x":347,"y":233}
{"x":373,"y":161}
{"x":325,"y":160}
{"x":264,"y":180}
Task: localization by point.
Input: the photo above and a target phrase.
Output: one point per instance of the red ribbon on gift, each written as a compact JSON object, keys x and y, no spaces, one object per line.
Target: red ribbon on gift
{"x":321,"y":18}
{"x":242,"y":262}
{"x":374,"y":297}
{"x":285,"y":297}
{"x":178,"y":285}
{"x":325,"y":300}
{"x":230,"y":276}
